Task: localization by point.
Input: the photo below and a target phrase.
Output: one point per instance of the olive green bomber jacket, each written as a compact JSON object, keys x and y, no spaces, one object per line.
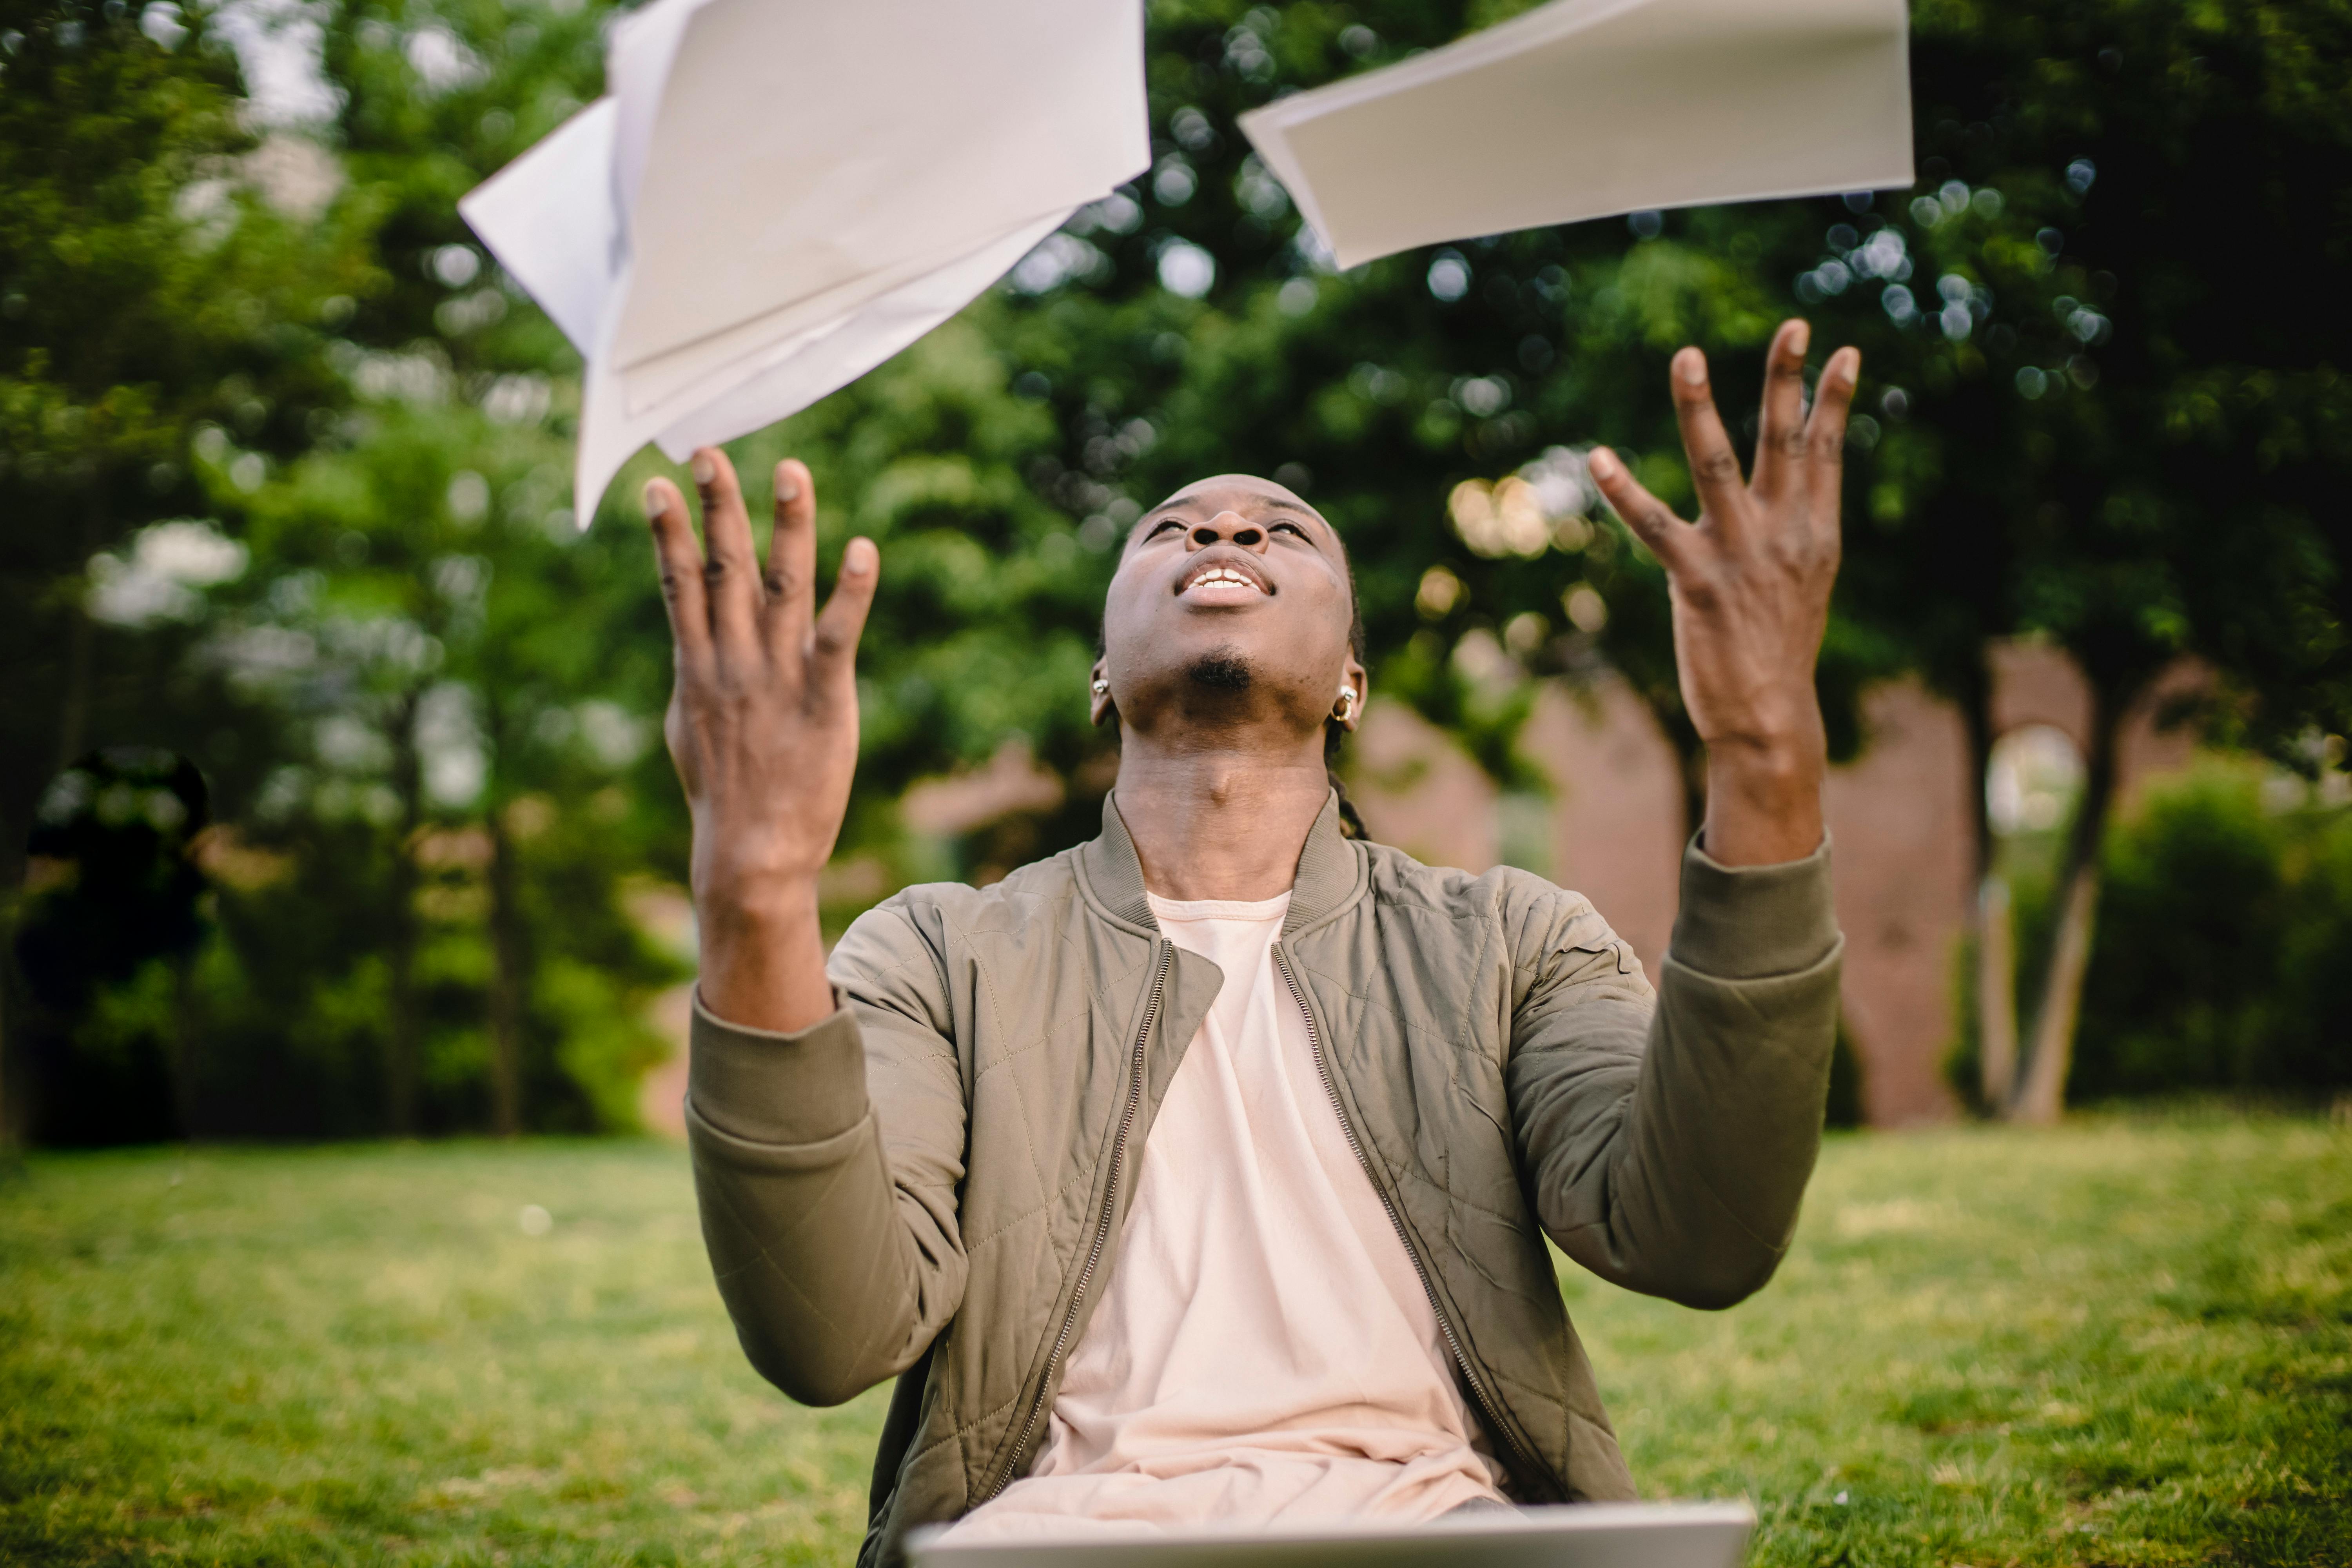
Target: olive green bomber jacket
{"x":928,"y":1184}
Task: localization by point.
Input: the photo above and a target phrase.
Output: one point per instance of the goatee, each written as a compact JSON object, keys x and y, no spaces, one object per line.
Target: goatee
{"x":1221,"y":671}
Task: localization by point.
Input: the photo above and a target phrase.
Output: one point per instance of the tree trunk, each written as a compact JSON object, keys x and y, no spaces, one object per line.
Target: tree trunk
{"x":184,"y":1044}
{"x":2041,"y":1094}
{"x":1994,"y":983}
{"x":11,"y":1113}
{"x":508,"y":981}
{"x":73,"y":717}
{"x":73,"y":735}
{"x":81,"y":641}
{"x":1996,"y":991}
{"x":403,"y":1024}
{"x":2041,"y":1099}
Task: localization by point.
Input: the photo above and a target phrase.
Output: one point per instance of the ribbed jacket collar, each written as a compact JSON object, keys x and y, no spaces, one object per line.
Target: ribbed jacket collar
{"x":1331,"y":872}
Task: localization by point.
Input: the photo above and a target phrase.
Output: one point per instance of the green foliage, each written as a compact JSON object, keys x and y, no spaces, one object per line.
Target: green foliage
{"x":2119,"y":1341}
{"x":146,"y":287}
{"x":424,"y":700}
{"x":458,"y":651}
{"x":985,"y":628}
{"x":2221,"y":963}
{"x":142,"y":282}
{"x":413,"y":650}
{"x":2045,"y":443}
{"x":2133,"y":450}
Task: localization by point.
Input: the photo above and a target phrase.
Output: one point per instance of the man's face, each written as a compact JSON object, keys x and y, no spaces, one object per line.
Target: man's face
{"x":1232,"y":585}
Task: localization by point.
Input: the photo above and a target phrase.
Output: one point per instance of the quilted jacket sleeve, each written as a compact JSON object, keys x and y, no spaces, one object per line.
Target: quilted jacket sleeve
{"x":1667,"y":1140}
{"x":826,"y":1162}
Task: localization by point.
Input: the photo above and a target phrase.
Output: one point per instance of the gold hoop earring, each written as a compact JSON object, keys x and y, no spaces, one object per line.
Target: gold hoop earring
{"x":1346,"y":709}
{"x":1102,"y":688}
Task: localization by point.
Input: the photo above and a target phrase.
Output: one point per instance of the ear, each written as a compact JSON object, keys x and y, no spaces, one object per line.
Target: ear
{"x":1100,"y":709}
{"x":1351,"y":674}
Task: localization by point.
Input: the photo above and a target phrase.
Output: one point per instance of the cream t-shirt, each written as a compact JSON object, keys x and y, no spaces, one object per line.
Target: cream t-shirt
{"x":1263,"y":1348}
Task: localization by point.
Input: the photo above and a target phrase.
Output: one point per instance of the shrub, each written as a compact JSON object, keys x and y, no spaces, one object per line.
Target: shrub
{"x":2225,"y":927}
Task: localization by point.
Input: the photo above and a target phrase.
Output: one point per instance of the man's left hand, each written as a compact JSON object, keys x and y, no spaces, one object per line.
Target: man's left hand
{"x":1750,"y":583}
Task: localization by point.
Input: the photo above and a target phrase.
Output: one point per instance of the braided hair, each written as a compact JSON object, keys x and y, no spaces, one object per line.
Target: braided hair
{"x":1352,"y":821}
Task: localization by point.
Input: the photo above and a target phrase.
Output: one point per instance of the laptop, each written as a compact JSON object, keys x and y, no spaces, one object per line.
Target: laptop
{"x":1579,"y":1535}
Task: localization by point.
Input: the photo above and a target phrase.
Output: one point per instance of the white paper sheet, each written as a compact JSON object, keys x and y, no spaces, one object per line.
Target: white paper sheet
{"x":549,"y":218}
{"x":857,"y":345}
{"x":780,"y":378}
{"x":1590,"y":108}
{"x":802,"y":146}
{"x":780,"y":195}
{"x":661,"y":381}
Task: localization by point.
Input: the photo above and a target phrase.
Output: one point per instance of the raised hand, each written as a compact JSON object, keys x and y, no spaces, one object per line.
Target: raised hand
{"x":762,"y":725}
{"x":1751,"y":584}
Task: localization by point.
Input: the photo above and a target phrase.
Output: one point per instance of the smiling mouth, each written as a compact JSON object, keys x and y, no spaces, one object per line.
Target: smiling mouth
{"x":1223,"y":578}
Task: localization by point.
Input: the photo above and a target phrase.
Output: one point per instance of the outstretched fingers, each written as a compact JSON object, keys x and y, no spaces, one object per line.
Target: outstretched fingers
{"x":1652,"y":521}
{"x":790,"y":577}
{"x":1825,"y":430}
{"x":731,"y":569}
{"x":1780,"y":438}
{"x":1715,"y":466}
{"x":679,"y":560}
{"x":833,"y":643}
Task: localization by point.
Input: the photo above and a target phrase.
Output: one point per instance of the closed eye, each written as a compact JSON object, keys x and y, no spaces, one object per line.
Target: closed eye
{"x":1164,"y":525}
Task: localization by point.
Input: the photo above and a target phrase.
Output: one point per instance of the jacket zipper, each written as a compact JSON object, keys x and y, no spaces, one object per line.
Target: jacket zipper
{"x":1102,"y":1224}
{"x":1486,"y":1404}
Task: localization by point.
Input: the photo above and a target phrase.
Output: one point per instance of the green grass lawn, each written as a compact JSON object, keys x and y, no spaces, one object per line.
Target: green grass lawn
{"x":2127,"y":1341}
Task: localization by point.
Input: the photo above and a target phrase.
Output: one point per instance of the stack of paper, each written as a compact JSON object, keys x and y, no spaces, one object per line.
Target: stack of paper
{"x":1588,"y":108}
{"x":776,"y":195}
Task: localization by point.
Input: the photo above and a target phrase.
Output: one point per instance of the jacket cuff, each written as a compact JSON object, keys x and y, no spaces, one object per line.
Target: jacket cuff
{"x":766,"y":1087}
{"x":1746,"y":922}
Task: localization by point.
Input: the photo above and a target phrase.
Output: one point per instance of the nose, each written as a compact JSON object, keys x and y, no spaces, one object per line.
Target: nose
{"x":1227,"y":527}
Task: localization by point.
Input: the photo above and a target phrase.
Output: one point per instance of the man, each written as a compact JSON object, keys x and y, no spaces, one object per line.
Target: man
{"x":1202,"y":1173}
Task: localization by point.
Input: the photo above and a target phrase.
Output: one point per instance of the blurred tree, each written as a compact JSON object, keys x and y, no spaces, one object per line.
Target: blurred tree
{"x":435,"y":99}
{"x":2101,"y":407}
{"x":454,"y":646}
{"x":448,"y":626}
{"x":149,"y":280}
{"x":392,"y":637}
{"x":2116,"y":420}
{"x":148,"y":284}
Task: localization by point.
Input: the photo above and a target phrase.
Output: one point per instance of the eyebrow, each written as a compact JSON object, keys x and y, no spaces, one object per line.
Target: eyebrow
{"x":1160,"y":513}
{"x":1255,"y":504}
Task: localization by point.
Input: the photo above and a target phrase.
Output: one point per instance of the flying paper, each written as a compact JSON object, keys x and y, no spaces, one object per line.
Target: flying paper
{"x":1590,"y":108}
{"x":777,"y":195}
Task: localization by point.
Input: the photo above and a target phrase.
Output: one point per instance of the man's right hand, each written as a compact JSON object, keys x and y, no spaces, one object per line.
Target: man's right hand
{"x":762,"y":725}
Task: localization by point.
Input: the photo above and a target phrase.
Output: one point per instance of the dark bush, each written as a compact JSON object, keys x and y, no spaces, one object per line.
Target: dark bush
{"x":2225,"y":952}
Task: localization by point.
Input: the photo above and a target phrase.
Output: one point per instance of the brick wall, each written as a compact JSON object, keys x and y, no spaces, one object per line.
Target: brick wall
{"x":1899,"y":815}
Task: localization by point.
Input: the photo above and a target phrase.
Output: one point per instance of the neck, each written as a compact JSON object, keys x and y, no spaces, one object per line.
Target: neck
{"x":1217,"y":821}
